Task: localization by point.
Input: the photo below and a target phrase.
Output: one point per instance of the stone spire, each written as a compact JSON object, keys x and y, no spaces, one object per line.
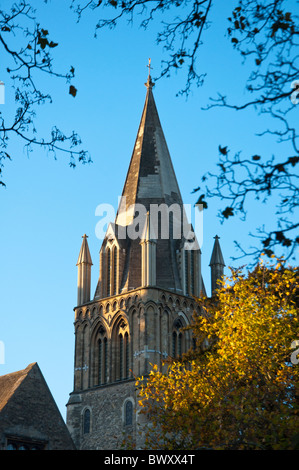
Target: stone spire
{"x":151,"y":177}
{"x":151,"y":181}
{"x":84,"y":264}
{"x":217,"y":264}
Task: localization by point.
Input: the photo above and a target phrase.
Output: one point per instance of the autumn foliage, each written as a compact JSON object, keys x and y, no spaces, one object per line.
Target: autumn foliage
{"x":238,"y":389}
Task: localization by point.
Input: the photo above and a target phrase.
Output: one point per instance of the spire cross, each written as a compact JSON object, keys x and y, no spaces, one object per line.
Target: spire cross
{"x":149,"y":83}
{"x":149,"y":67}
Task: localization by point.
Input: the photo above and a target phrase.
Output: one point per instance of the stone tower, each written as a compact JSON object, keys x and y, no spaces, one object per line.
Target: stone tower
{"x":150,"y":269}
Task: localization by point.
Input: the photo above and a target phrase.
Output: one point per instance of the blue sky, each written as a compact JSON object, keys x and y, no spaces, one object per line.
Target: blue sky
{"x":46,"y":206}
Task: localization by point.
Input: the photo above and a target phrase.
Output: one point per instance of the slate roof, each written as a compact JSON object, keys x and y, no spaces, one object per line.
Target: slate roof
{"x":10,"y":382}
{"x":151,"y":178}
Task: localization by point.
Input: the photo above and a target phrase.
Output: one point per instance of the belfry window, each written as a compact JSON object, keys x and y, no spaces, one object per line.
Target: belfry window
{"x":114,"y":271}
{"x":108,"y":257}
{"x":192,"y":272}
{"x":111,"y":271}
{"x":186,"y":272}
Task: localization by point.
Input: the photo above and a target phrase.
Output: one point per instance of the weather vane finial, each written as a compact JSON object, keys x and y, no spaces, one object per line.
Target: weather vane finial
{"x":149,"y":83}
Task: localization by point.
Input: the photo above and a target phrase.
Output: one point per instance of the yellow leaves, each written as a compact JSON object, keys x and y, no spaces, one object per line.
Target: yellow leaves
{"x":243,"y":380}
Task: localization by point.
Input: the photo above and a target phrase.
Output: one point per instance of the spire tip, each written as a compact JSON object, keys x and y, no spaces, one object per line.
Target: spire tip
{"x":149,"y":83}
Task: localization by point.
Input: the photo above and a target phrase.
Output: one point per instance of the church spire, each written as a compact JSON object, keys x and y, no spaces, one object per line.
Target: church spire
{"x":151,"y":177}
{"x":217,"y":264}
{"x":151,"y":181}
{"x":84,"y":264}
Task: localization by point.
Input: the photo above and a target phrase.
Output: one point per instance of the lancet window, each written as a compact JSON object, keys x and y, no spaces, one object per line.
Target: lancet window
{"x":101,"y":356}
{"x":178,"y":339}
{"x":111,"y":271}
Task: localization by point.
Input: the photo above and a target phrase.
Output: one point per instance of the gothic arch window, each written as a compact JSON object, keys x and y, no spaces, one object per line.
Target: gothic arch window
{"x":178,"y":338}
{"x":108,"y":272}
{"x":126,"y":349}
{"x":86,"y":421}
{"x":120,"y":339}
{"x":121,"y":356}
{"x":114,"y":271}
{"x":190,"y":272}
{"x":186,"y":266}
{"x":101,"y":356}
{"x":128,"y":411}
{"x":111,"y":270}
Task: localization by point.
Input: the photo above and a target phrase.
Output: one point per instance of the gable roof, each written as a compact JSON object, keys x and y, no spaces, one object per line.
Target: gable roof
{"x":10,"y":382}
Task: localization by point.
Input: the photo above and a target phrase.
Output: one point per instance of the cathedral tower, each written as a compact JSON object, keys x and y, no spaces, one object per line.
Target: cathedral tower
{"x":150,"y":269}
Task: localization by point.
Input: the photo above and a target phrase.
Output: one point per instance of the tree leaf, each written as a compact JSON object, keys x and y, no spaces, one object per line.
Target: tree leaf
{"x":228,"y":212}
{"x":73,"y":90}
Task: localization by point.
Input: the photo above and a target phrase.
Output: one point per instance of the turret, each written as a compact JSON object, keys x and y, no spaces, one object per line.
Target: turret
{"x":217,"y":265}
{"x":84,"y":264}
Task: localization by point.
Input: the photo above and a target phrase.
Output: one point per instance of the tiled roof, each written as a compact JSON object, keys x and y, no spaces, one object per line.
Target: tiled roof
{"x":10,"y":382}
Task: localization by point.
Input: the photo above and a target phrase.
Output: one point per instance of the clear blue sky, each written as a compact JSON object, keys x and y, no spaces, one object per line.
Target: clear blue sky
{"x":47,"y":207}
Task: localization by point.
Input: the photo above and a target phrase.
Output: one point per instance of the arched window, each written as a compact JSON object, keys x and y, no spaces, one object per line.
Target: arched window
{"x":128,"y":413}
{"x":177,"y":338}
{"x":192,"y":272}
{"x":108,"y":258}
{"x":180,"y":344}
{"x":126,"y":351}
{"x":174,"y":338}
{"x":101,"y":357}
{"x":86,"y":421}
{"x":120,"y":343}
{"x":186,"y":272}
{"x":121,"y":356}
{"x":105,"y":361}
{"x":100,"y":360}
{"x":114,"y":273}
